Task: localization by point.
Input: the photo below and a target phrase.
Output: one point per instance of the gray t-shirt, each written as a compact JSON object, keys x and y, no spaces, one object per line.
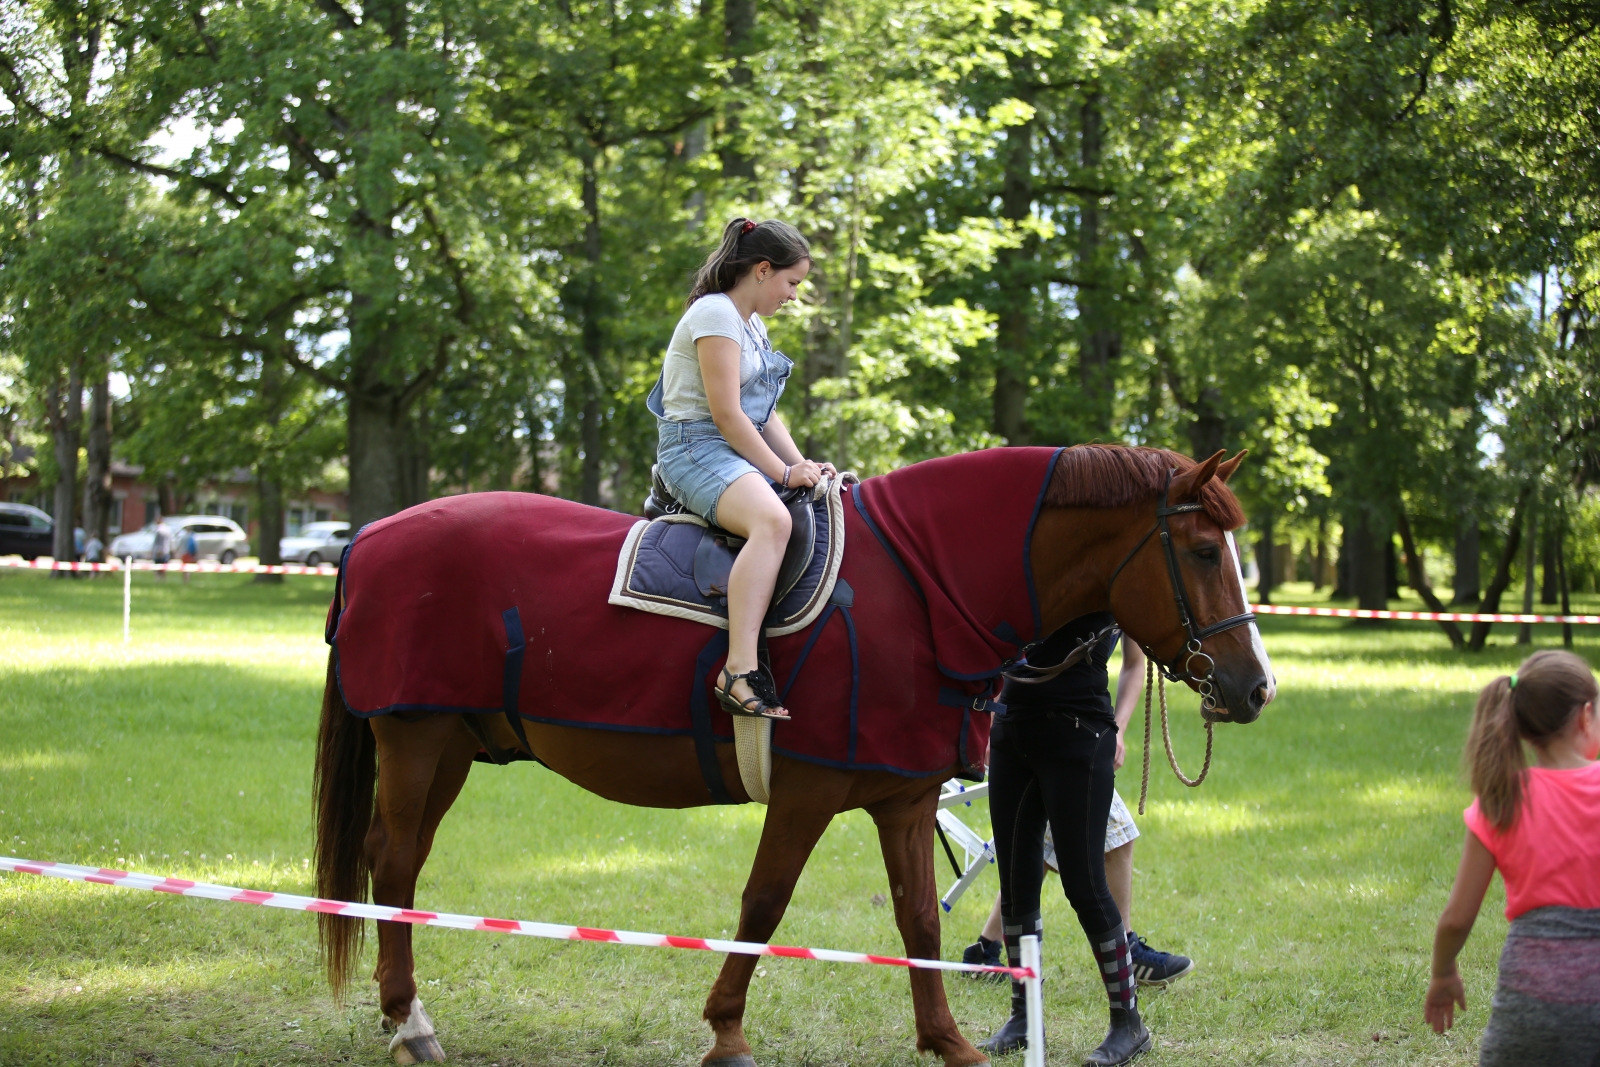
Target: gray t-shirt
{"x":683,"y":391}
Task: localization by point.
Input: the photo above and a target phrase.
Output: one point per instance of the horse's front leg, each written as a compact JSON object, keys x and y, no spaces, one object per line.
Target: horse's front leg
{"x":421,"y":768}
{"x":804,"y":800}
{"x":905,"y":832}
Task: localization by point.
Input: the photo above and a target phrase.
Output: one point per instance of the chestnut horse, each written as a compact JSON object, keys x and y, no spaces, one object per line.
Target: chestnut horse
{"x":383,"y":784}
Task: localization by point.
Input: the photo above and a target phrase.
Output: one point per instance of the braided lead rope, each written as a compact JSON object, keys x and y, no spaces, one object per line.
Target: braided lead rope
{"x":1152,"y":681}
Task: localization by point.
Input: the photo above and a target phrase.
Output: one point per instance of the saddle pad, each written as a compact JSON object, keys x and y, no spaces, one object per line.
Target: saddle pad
{"x":655,"y":569}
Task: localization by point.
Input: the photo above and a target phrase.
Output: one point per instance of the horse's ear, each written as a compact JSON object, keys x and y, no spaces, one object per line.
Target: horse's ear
{"x":1226,"y":468}
{"x":1187,"y":485}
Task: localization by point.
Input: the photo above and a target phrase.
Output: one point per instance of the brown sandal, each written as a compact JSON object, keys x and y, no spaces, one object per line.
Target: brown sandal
{"x":764,"y":704}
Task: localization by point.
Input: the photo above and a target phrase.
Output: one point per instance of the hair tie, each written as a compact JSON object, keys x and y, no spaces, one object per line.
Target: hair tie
{"x":746,"y":228}
{"x":1513,"y":679}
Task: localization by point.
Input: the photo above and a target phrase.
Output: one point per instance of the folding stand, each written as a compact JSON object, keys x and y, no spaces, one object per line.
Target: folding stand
{"x":979,"y":849}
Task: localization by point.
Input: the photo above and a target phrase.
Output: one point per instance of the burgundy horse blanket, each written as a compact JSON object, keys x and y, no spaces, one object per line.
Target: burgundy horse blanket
{"x":490,"y":602}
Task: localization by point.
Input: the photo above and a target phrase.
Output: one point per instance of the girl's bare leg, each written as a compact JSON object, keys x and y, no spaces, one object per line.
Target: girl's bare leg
{"x":1119,"y":876}
{"x":752,"y":510}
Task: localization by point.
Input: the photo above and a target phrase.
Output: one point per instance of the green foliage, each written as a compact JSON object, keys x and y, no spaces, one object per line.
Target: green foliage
{"x":1303,"y":227}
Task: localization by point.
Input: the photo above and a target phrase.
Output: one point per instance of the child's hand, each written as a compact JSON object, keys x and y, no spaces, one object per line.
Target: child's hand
{"x":1439,"y":1007}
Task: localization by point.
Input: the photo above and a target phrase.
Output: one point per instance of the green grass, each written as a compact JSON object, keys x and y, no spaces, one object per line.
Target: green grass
{"x":1304,"y":877}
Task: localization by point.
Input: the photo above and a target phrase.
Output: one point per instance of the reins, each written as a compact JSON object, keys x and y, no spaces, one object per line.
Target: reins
{"x":1204,"y":680}
{"x":1152,"y":679}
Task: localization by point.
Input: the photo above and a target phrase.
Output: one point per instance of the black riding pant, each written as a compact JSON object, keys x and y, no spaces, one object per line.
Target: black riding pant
{"x":1057,"y":768}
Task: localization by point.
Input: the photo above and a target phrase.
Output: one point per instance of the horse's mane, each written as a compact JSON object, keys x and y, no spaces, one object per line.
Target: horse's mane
{"x":1112,"y":476}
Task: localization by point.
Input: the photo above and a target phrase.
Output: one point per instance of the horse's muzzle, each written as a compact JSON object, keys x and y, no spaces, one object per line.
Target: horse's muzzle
{"x":1242,"y":698}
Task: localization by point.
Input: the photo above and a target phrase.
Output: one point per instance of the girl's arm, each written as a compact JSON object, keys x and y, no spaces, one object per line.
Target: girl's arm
{"x":1446,"y":990}
{"x":1130,"y":683}
{"x":804,"y":471}
{"x":719,"y":369}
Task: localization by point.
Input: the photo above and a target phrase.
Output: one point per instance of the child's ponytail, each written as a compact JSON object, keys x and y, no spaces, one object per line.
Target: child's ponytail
{"x":1494,"y":754}
{"x":1534,"y":704}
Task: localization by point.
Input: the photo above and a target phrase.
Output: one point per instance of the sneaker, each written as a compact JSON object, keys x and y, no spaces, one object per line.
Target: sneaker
{"x":1157,"y":969}
{"x":984,"y":953}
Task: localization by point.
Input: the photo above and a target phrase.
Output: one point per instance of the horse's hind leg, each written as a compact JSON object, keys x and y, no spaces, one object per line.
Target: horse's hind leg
{"x":804,"y":801}
{"x":905,"y":832}
{"x":421,"y":768}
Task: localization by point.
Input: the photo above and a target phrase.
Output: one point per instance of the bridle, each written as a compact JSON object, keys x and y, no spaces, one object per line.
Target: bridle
{"x":1205,"y":679}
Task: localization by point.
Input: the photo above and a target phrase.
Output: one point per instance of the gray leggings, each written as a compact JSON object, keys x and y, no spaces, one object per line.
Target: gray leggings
{"x":1547,"y":1004}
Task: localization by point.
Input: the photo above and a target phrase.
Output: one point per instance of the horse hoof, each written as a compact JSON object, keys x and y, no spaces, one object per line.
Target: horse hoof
{"x":406,"y":1050}
{"x":414,"y":1040}
{"x":743,"y":1059}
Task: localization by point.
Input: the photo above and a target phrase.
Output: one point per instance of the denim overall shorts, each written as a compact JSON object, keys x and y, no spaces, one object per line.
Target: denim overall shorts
{"x":694,"y":459}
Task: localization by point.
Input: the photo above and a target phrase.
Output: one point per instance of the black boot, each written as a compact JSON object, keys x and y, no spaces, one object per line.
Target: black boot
{"x":1126,"y":1041}
{"x":985,"y":953}
{"x":1013,"y":1035}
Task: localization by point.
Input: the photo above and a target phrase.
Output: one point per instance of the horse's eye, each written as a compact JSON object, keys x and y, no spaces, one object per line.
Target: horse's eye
{"x":1209,"y":554}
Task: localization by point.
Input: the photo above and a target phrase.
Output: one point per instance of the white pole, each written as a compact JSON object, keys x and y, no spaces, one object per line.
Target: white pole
{"x":127,"y":594}
{"x":1033,"y":992}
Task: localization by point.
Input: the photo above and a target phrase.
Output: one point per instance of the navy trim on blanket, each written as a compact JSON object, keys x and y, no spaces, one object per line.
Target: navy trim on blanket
{"x":511,"y":680}
{"x":1027,"y":546}
{"x":332,"y":629}
{"x":855,"y":680}
{"x":705,"y":744}
{"x":856,"y":498}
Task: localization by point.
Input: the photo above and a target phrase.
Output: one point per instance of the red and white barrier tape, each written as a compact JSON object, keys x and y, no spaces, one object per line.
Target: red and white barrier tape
{"x":1420,"y":616}
{"x":185,"y":888}
{"x":329,"y":570}
{"x":176,"y":567}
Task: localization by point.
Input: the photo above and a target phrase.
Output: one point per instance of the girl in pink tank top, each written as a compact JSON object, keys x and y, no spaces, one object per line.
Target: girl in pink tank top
{"x":1540,"y":827}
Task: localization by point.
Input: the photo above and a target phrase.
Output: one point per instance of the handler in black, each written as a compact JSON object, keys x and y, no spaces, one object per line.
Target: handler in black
{"x":1051,"y":755}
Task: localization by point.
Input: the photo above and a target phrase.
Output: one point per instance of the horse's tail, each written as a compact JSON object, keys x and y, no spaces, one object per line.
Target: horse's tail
{"x":344,"y":785}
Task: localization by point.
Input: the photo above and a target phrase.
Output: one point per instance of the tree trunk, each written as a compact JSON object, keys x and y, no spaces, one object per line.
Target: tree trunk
{"x":1100,"y":343}
{"x":1502,"y":572}
{"x":1418,"y":577}
{"x":1525,"y":630}
{"x":1368,"y":549}
{"x":1550,"y":583}
{"x":1208,"y":433}
{"x":1266,"y":562}
{"x":1014,"y":272}
{"x":269,"y":523}
{"x":1566,"y":586}
{"x":1319,"y":565}
{"x":1468,"y":553}
{"x":64,"y":417}
{"x":378,"y":444}
{"x":97,"y":478}
{"x":592,"y":413}
{"x":738,"y":30}
{"x":1391,"y":569}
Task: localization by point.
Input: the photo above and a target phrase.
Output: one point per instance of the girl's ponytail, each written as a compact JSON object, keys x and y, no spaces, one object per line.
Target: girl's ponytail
{"x":1494,"y":754}
{"x":745,"y":243}
{"x":1534,"y":704}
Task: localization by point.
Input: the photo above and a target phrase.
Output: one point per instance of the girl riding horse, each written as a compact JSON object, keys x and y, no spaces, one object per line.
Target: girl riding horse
{"x":723,"y":446}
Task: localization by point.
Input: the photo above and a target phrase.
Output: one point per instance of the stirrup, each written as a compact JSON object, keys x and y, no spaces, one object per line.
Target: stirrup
{"x":763,"y":704}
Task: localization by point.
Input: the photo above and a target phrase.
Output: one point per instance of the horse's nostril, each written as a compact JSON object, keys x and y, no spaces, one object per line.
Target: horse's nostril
{"x":1258,"y":696}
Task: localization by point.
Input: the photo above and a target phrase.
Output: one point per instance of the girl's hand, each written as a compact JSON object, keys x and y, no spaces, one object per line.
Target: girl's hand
{"x":804,"y":474}
{"x":1439,"y":1007}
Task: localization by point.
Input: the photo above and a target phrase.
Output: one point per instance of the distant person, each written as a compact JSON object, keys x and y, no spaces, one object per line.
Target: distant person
{"x":77,"y":549}
{"x":1540,"y":827}
{"x":94,"y":551}
{"x":161,"y":547}
{"x":190,"y":552}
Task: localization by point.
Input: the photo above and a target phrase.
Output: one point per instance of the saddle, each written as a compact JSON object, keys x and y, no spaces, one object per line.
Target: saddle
{"x":673,"y":562}
{"x":718,"y":548}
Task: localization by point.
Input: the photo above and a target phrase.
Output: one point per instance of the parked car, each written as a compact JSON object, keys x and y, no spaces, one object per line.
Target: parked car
{"x":215,"y":537}
{"x":317,"y":542}
{"x":25,"y":531}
